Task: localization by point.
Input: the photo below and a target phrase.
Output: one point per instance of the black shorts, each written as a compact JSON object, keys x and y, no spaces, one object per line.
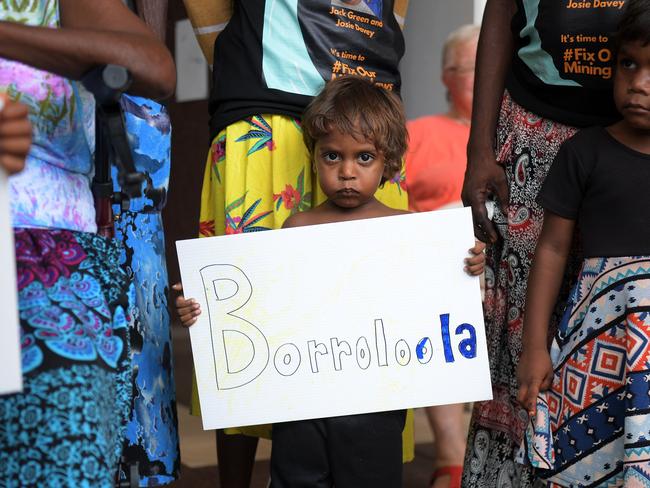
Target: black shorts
{"x":353,"y":451}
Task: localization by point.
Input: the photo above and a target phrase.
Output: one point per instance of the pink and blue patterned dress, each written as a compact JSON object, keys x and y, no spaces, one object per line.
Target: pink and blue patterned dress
{"x":66,"y":427}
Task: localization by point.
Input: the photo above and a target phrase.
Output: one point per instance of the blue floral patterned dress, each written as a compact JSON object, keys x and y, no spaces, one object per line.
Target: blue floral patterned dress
{"x":151,"y":436}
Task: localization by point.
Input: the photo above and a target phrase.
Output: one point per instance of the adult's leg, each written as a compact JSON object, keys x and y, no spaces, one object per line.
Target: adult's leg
{"x":299,"y":458}
{"x":365,"y":451}
{"x":236,"y":458}
{"x":450,"y":437}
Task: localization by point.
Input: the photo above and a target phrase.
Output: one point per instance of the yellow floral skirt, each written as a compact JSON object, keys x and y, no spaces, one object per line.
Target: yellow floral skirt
{"x":263,"y":177}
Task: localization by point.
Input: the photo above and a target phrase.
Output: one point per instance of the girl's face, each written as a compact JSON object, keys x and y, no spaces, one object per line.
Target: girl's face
{"x":349,"y":171}
{"x":632,"y":85}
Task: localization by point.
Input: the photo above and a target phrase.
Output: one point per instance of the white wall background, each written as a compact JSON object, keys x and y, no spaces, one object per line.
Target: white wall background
{"x":479,"y":6}
{"x":428,"y":23}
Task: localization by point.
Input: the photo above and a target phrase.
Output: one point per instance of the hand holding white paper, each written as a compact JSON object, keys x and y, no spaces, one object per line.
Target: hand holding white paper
{"x":11,"y":379}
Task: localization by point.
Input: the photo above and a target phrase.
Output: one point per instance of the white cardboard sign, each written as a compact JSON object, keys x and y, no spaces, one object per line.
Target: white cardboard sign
{"x":336,"y":319}
{"x":11,"y":378}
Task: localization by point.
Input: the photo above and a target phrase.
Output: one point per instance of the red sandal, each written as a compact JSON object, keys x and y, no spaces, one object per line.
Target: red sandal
{"x":455,"y":474}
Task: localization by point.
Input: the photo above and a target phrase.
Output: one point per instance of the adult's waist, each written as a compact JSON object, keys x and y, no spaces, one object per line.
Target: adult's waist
{"x":229,"y":112}
{"x":45,"y":196}
{"x":624,"y":250}
{"x":573,"y":106}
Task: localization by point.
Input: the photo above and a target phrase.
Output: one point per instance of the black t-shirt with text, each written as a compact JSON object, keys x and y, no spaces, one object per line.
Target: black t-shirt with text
{"x":599,"y":182}
{"x":563,"y":65}
{"x":274,"y":56}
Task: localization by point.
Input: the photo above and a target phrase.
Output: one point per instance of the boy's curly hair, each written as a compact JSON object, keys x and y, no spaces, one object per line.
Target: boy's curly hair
{"x":356,"y":106}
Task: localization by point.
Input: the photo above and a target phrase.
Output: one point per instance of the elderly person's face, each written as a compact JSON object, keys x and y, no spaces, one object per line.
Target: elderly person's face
{"x":458,"y":75}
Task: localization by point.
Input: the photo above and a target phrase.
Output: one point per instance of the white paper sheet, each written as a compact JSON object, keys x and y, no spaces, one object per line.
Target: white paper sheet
{"x":11,"y":379}
{"x":336,"y":319}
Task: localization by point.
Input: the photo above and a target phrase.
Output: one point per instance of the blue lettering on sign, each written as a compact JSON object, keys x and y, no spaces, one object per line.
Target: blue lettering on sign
{"x":424,"y":350}
{"x":420,"y":348}
{"x":446,"y":340}
{"x":467,"y":347}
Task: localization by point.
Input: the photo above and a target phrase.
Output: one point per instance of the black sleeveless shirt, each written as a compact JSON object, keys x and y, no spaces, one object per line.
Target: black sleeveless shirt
{"x":275,"y":55}
{"x":564,"y":61}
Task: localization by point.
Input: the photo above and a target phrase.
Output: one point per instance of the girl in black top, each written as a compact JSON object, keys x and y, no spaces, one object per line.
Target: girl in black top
{"x":590,"y":424}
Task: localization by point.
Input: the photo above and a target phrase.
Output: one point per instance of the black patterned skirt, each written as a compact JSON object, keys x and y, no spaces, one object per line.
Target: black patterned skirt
{"x":526,"y":145}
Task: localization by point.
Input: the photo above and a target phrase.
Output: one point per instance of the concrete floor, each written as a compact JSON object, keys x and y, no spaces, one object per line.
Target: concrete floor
{"x":198,"y":452}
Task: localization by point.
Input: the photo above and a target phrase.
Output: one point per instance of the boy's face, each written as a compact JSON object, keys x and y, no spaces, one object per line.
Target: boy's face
{"x":349,"y":171}
{"x":632,"y":84}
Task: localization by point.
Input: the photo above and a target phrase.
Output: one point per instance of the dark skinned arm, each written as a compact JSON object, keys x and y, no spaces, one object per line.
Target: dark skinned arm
{"x":94,"y":33}
{"x":206,"y":17}
{"x":154,"y":14}
{"x":484,"y":176}
{"x":535,"y":372}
